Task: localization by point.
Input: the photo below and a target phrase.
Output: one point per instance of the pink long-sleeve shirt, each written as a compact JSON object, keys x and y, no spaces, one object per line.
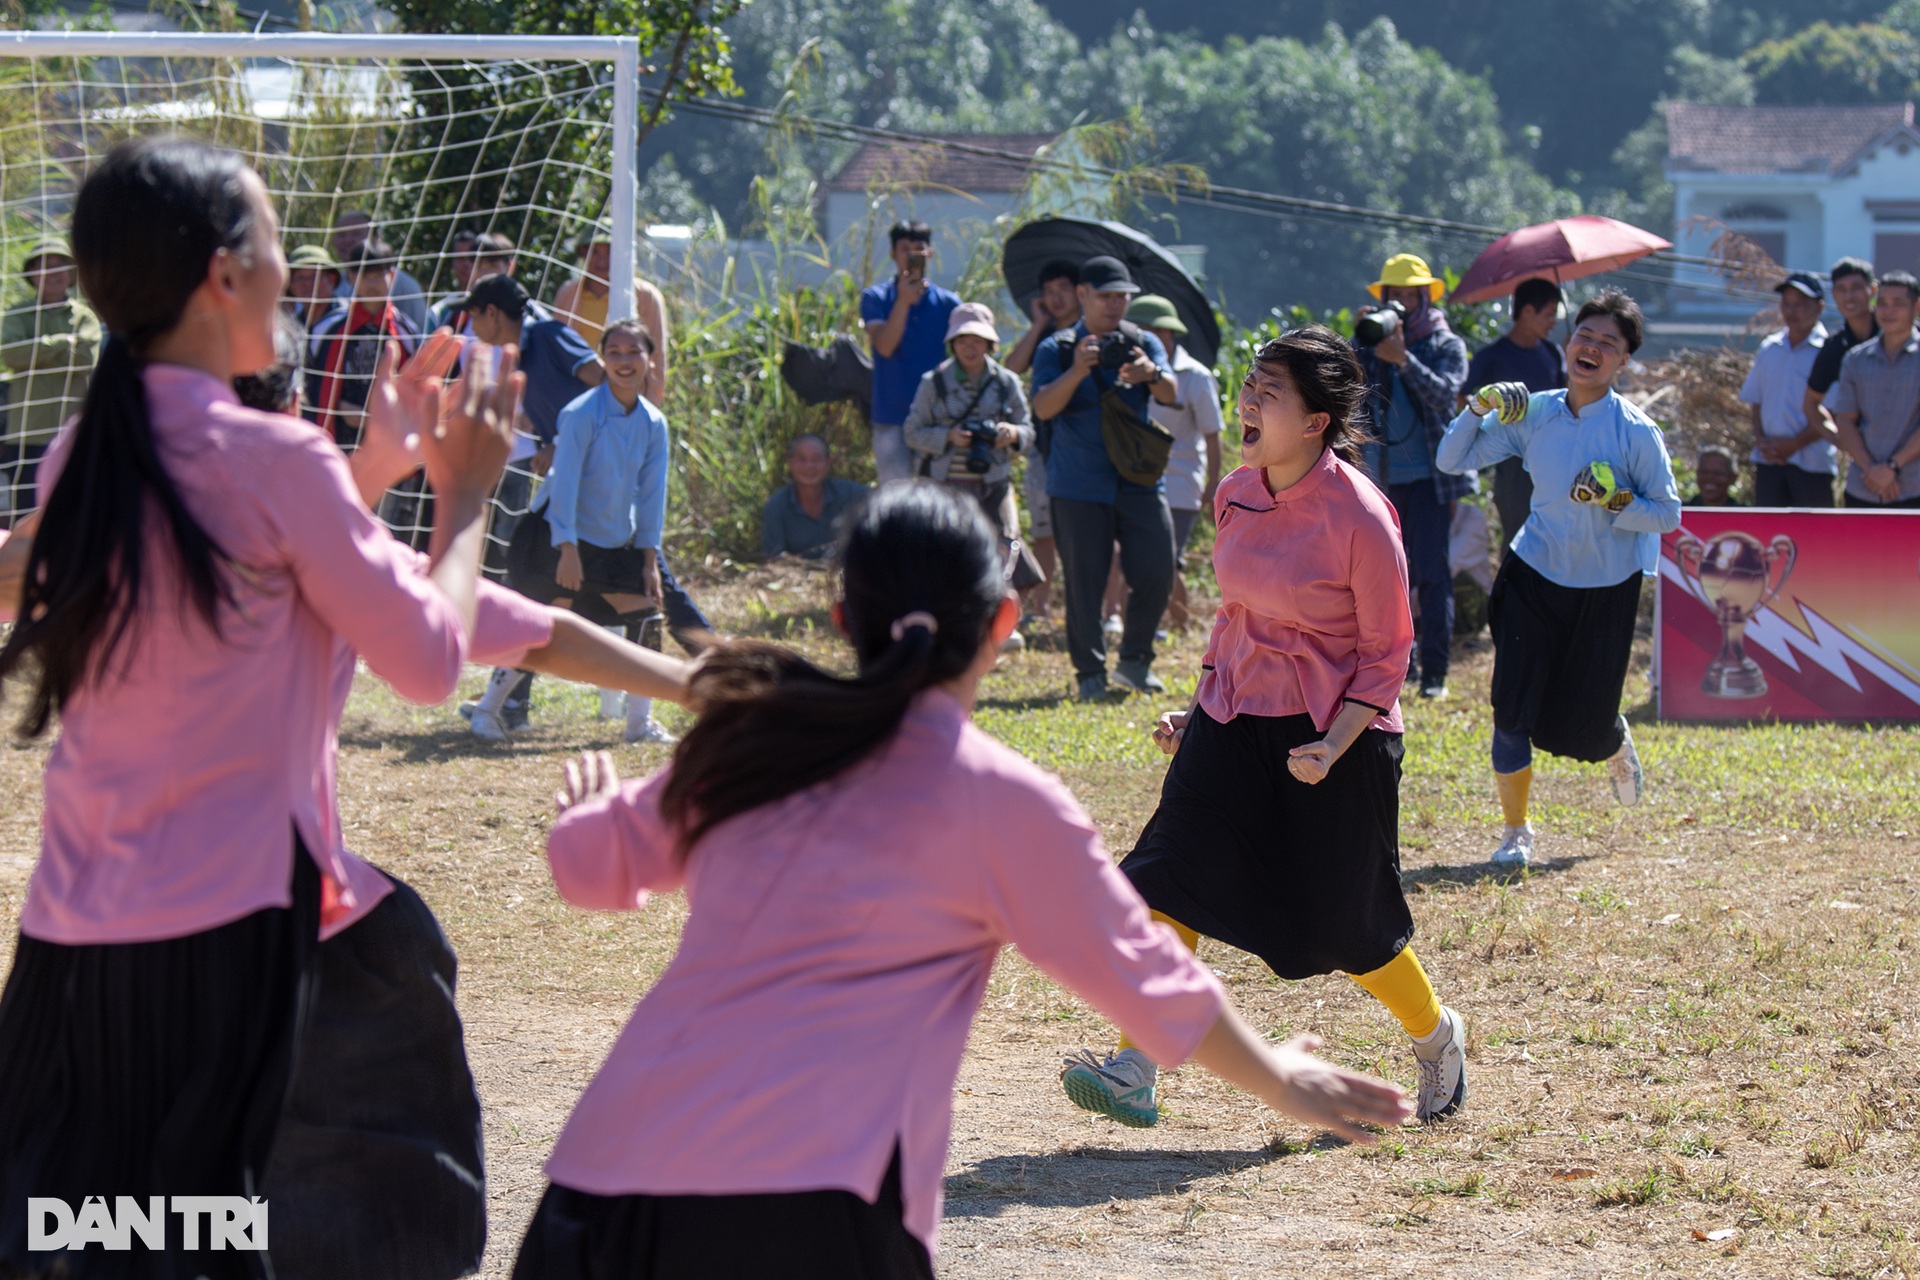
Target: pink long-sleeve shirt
{"x":837,"y":946}
{"x":1313,"y":598}
{"x":177,"y":779}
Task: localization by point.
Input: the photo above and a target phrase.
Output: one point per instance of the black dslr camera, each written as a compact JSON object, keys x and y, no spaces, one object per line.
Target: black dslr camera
{"x":1370,"y":328}
{"x":1116,"y":350}
{"x":983,"y":438}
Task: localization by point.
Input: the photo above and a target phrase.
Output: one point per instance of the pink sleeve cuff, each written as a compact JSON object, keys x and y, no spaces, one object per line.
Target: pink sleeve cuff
{"x":507,"y":625}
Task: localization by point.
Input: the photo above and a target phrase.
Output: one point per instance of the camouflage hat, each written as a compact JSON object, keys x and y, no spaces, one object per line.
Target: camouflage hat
{"x":311,"y":257}
{"x":47,"y":246}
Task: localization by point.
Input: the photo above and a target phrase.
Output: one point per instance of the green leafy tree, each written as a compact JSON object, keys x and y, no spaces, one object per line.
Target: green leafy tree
{"x":487,"y":139}
{"x":1823,"y":63}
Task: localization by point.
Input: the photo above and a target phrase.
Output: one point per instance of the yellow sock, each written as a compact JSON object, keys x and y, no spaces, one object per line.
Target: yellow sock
{"x":1513,"y":789}
{"x":1186,"y":935}
{"x":1401,"y":985}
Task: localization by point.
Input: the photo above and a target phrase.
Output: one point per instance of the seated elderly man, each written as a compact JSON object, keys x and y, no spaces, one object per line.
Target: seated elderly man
{"x":804,"y":516}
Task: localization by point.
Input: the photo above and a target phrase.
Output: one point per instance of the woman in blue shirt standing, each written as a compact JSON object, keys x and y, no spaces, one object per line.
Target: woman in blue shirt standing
{"x":1564,"y":606}
{"x":591,"y":541}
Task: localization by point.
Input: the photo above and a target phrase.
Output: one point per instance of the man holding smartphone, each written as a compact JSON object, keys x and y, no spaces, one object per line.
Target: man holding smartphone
{"x":906,"y":321}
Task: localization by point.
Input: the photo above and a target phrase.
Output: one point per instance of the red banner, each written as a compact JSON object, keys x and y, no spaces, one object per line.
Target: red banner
{"x":1769,"y":614}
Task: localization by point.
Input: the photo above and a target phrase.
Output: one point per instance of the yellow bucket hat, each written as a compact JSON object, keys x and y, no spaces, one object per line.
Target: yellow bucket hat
{"x":1408,"y":270}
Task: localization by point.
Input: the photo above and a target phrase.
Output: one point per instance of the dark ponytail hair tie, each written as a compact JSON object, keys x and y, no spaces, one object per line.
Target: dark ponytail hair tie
{"x":908,"y":621}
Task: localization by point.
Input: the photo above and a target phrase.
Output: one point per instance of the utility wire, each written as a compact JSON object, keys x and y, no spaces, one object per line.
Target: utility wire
{"x":1237,"y":199}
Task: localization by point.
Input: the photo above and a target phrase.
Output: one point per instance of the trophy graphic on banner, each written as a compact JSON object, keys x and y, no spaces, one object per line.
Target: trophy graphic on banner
{"x":1735,"y":574}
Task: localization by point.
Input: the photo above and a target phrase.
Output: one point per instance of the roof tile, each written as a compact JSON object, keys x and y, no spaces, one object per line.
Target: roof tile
{"x":1775,"y":139}
{"x":915,"y":164}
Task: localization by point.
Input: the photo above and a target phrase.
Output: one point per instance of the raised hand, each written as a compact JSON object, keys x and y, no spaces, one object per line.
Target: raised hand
{"x":588,"y":778}
{"x":1507,"y":401}
{"x":468,"y":448}
{"x":405,"y":400}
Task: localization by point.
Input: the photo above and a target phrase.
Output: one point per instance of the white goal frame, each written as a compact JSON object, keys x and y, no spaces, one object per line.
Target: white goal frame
{"x":623,"y":52}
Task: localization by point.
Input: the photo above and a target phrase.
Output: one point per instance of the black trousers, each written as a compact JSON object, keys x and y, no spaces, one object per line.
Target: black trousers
{"x":1560,"y":658}
{"x":1788,"y":486}
{"x":1084,"y":533}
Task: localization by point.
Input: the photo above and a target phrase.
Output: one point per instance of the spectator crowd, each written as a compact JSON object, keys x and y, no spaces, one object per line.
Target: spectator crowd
{"x":1833,"y":411}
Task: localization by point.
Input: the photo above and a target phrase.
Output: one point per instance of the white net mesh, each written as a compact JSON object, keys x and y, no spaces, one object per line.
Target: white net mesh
{"x":419,"y":156}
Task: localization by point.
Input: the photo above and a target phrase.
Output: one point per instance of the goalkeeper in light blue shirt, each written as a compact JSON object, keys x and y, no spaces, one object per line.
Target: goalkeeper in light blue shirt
{"x":1564,"y":607}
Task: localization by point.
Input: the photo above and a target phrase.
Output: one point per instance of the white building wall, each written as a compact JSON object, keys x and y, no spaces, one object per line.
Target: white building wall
{"x":854,"y":222}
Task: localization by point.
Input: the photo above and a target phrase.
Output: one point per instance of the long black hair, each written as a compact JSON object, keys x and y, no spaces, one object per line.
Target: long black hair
{"x":1328,"y":377}
{"x":772,"y":723}
{"x":148,"y":219}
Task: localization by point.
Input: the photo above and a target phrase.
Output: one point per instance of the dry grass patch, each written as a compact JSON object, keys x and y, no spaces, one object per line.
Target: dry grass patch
{"x":1690,"y":1017}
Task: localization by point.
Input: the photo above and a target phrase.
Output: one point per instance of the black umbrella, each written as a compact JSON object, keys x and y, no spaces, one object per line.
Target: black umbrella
{"x":1155,"y":270}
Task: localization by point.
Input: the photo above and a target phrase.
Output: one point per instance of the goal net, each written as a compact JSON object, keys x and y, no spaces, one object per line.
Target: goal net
{"x":420,"y":144}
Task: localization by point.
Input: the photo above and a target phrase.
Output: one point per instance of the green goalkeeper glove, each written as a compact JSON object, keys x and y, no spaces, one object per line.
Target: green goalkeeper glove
{"x":1596,"y":484}
{"x":1507,"y":401}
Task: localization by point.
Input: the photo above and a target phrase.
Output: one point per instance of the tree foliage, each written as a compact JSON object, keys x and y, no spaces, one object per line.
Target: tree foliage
{"x":1825,"y":64}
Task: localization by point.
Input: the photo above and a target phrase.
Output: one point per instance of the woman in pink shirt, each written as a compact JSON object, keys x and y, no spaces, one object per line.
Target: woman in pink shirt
{"x":854,"y":853}
{"x":1278,"y":830}
{"x":196,"y":571}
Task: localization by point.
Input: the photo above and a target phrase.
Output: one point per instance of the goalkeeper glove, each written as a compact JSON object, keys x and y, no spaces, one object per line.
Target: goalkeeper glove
{"x":1507,"y":401}
{"x":1596,"y":484}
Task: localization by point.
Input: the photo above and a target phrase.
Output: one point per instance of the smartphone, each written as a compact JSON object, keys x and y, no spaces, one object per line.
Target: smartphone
{"x":917,"y":263}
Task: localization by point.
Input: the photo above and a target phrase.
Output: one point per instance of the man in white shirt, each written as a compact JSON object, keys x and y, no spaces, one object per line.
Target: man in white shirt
{"x":1193,"y":470}
{"x":1794,"y":457}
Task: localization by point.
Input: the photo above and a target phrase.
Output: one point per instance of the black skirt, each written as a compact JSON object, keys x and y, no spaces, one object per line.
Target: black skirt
{"x":1560,"y":658}
{"x":798,"y":1235}
{"x":1305,"y":877}
{"x":149,"y":1069}
{"x":376,"y":1167}
{"x":533,"y":560}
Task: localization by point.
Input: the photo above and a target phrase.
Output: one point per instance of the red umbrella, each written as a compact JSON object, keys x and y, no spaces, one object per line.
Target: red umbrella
{"x":1561,"y":250}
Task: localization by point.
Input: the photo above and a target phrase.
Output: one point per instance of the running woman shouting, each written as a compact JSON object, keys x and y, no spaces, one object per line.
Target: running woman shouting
{"x":1278,"y":830}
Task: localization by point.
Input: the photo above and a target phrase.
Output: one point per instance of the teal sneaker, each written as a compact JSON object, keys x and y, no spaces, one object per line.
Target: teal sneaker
{"x":1120,"y":1088}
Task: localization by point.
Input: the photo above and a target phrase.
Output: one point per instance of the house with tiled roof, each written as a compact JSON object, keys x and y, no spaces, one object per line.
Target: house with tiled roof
{"x":1807,"y":184}
{"x":957,"y":189}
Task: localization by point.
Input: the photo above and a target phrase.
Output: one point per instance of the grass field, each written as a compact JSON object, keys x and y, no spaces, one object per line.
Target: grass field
{"x":1691,"y":1024}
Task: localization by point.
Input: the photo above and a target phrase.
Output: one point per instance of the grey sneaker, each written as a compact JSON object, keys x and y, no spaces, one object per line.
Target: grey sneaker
{"x":1138,"y":677}
{"x":1120,"y":1087}
{"x":1516,"y":847}
{"x":1442,"y":1059}
{"x":1623,"y":767}
{"x":1091,"y":689}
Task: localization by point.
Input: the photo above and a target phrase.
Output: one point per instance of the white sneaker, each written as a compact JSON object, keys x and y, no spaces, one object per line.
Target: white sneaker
{"x":613,"y":704}
{"x":1120,"y":1087}
{"x":1623,"y":767}
{"x":487,"y":725}
{"x":1442,"y":1060}
{"x":651,"y":732}
{"x":1014,"y":643}
{"x":1516,"y":847}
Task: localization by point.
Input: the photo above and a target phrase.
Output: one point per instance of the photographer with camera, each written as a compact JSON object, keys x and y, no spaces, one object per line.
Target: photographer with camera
{"x":970,"y":416}
{"x":906,"y":321}
{"x":1104,"y":474}
{"x":1416,"y":366}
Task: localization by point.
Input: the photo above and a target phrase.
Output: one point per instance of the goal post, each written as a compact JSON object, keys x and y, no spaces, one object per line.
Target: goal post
{"x":530,"y":137}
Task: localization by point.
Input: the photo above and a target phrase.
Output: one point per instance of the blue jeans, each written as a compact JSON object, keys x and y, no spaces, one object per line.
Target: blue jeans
{"x":1426,"y":524}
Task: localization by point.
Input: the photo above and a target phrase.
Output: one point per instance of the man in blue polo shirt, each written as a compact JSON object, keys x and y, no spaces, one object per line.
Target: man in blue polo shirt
{"x":906,"y":321}
{"x":1092,"y":506}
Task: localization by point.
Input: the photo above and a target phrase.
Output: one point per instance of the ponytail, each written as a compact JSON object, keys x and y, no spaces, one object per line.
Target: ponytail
{"x":922,"y":581}
{"x":146,"y":222}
